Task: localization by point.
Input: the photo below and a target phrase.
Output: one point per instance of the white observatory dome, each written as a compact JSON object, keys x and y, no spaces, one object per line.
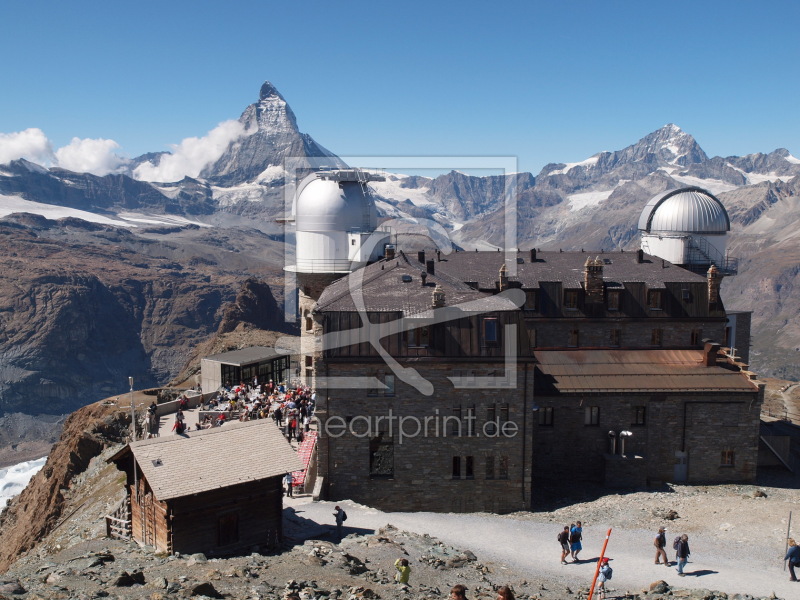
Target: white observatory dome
{"x":328,"y":201}
{"x":685,"y":210}
{"x":335,"y":222}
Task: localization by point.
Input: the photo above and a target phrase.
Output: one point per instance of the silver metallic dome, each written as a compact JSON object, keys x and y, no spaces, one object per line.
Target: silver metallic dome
{"x":686,"y":210}
{"x":334,"y":201}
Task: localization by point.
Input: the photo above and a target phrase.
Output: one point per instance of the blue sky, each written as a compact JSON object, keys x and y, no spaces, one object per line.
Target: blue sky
{"x":544,"y":81}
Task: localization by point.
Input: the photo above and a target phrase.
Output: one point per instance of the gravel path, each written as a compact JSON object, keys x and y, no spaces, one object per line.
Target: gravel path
{"x":529,"y":550}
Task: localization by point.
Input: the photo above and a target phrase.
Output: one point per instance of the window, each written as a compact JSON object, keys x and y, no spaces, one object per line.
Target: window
{"x":546,"y":416}
{"x":309,"y":323}
{"x":571,"y":299}
{"x":655,"y":299}
{"x":613,"y":300}
{"x":455,"y":422}
{"x":591,"y":415}
{"x":491,"y":331}
{"x":574,"y":336}
{"x":388,"y":381}
{"x":309,"y":362}
{"x":228,"y":529}
{"x":503,"y":468}
{"x":456,"y":467}
{"x":639,"y":415}
{"x":531,"y":329}
{"x":469,"y":471}
{"x":531,"y":300}
{"x":490,"y":467}
{"x":727,"y":458}
{"x":381,"y":457}
{"x":656,"y":337}
{"x":490,"y":427}
{"x":616,"y":335}
{"x":697,"y":337}
{"x":470,"y":418}
{"x":419,"y":337}
{"x":686,"y":295}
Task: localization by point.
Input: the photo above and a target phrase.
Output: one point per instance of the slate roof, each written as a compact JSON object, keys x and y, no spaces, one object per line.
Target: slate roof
{"x":245,"y":356}
{"x":631,"y":371}
{"x":383,"y":288}
{"x":177,"y":466}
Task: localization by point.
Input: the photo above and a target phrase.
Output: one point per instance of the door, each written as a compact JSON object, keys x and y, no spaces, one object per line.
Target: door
{"x":681,"y":466}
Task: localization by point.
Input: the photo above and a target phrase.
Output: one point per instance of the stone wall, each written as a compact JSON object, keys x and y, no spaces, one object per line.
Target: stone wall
{"x":704,"y":425}
{"x":382,"y":467}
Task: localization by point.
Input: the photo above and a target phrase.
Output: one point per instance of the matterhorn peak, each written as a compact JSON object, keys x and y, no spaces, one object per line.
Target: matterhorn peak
{"x":269,"y":91}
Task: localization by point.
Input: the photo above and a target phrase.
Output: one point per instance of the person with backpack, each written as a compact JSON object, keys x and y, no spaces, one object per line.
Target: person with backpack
{"x":660,"y":542}
{"x":340,"y":517}
{"x":682,"y":552}
{"x":605,"y":574}
{"x":575,"y":537}
{"x":793,"y":556}
{"x":563,"y":539}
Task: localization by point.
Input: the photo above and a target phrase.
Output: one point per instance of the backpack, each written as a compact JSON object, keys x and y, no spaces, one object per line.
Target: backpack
{"x":608,"y":572}
{"x":344,"y":516}
{"x":676,"y":543}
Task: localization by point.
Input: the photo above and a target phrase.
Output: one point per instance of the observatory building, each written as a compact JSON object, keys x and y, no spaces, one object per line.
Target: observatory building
{"x":688,"y":227}
{"x":336,"y":233}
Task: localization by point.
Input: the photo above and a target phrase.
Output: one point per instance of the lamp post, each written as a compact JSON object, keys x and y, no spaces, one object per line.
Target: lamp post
{"x":133,"y":412}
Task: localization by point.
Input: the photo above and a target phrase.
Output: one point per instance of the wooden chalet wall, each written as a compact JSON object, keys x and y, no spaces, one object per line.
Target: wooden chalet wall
{"x":223,"y":521}
{"x":229,"y":520}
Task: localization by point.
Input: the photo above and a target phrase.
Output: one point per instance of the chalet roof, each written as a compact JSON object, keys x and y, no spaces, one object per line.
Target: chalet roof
{"x":246,"y":356}
{"x":177,"y":466}
{"x":587,"y":371}
{"x":384,"y":287}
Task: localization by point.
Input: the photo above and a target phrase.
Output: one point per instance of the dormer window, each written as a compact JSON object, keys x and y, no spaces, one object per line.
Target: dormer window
{"x":655,"y":299}
{"x":571,"y":299}
{"x":613,"y":300}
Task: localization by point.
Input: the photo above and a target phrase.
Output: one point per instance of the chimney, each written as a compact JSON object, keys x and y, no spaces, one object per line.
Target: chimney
{"x":438,"y":256}
{"x":388,"y":252}
{"x":421,"y":256}
{"x":640,"y":256}
{"x":423,"y":276}
{"x":593,"y":280}
{"x":533,"y":254}
{"x":430,"y":266}
{"x":710,"y":353}
{"x":503,"y":278}
{"x":714,"y":281}
{"x":437,"y":298}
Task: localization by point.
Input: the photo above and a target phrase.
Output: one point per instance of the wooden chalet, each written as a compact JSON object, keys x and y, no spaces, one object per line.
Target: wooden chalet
{"x":216,"y":491}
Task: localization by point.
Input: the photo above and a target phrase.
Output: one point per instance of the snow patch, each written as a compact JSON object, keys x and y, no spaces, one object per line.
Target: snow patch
{"x":392,"y":190}
{"x":569,"y":166}
{"x":15,"y":204}
{"x":715,"y":186}
{"x":159,"y":219}
{"x":792,"y":159}
{"x":580,"y":201}
{"x":13,"y":479}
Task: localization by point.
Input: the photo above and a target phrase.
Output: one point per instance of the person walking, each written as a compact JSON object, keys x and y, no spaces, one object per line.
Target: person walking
{"x":660,"y":542}
{"x":288,"y":479}
{"x":575,"y":537}
{"x":683,"y":553}
{"x":403,"y":571}
{"x":340,"y":517}
{"x":603,"y":576}
{"x":793,"y":556}
{"x":563,"y":539}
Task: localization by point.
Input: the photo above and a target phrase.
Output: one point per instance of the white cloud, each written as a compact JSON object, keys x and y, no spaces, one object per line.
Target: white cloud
{"x":89,"y":156}
{"x":190,"y":156}
{"x":31,"y":144}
